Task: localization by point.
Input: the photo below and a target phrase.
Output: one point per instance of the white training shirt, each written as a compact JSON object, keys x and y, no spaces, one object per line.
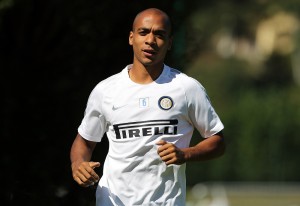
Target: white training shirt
{"x":135,"y":117}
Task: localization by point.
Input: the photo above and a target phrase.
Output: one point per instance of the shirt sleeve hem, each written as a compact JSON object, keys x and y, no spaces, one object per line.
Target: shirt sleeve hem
{"x":217,"y":129}
{"x":88,"y":137}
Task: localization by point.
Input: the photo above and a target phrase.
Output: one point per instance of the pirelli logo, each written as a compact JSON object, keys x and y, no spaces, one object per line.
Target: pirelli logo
{"x":146,"y":128}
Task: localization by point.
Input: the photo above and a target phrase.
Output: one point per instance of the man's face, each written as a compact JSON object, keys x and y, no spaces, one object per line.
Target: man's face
{"x":150,"y":38}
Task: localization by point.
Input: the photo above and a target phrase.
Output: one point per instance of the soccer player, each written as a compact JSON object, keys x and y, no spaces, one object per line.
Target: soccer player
{"x":148,"y":111}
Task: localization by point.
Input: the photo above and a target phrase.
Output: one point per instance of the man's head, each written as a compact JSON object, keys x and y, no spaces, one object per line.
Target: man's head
{"x":154,"y":11}
{"x":151,"y":37}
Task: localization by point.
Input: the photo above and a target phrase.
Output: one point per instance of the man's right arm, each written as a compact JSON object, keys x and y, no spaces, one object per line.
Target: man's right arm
{"x":80,"y":155}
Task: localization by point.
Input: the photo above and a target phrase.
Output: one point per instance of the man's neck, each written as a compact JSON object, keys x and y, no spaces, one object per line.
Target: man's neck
{"x":145,"y":74}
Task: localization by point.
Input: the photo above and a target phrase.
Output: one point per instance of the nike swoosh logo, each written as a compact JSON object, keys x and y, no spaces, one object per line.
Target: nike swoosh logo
{"x":114,"y":108}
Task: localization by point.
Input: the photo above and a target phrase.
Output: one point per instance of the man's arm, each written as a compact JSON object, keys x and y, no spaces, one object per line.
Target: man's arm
{"x":80,"y":155}
{"x":207,"y":149}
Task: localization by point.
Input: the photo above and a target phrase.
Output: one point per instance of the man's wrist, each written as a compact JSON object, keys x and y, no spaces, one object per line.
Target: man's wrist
{"x":75,"y":164}
{"x":187,"y":154}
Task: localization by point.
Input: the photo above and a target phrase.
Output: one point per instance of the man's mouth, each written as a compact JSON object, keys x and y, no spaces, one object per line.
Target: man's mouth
{"x":149,"y":52}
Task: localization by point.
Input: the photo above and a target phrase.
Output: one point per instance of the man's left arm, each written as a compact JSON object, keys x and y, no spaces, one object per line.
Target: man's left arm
{"x":210,"y":148}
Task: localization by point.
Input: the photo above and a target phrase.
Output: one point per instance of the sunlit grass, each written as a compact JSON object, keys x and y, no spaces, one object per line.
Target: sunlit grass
{"x":244,"y":194}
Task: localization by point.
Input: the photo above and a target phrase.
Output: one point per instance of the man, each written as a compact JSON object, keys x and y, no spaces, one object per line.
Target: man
{"x":148,"y":112}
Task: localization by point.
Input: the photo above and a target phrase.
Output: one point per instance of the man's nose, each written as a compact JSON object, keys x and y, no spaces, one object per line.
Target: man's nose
{"x":150,"y":39}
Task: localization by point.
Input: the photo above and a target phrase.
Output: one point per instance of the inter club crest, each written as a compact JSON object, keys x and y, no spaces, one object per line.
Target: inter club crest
{"x":165,"y":103}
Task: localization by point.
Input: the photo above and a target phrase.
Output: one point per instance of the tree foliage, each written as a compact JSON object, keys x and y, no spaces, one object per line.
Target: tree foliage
{"x":255,"y":93}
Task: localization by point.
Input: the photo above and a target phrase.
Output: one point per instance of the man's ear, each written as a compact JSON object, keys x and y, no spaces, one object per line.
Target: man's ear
{"x":130,"y":37}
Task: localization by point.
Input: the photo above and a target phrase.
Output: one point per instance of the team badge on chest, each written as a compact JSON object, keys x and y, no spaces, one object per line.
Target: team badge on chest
{"x":165,"y":103}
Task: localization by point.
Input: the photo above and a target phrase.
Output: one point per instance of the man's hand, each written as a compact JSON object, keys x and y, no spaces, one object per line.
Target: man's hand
{"x":207,"y":149}
{"x":170,"y":154}
{"x":84,"y":174}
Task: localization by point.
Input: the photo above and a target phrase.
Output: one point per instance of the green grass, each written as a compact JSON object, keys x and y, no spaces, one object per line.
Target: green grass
{"x":244,"y":194}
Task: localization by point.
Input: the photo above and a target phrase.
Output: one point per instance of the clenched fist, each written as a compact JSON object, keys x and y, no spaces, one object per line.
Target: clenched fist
{"x":170,"y":154}
{"x":84,"y":174}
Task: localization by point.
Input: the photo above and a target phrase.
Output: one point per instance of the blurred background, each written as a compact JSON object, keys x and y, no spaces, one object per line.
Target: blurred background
{"x":246,"y":54}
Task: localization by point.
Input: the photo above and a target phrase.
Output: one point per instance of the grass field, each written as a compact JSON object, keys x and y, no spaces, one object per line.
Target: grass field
{"x":244,"y":194}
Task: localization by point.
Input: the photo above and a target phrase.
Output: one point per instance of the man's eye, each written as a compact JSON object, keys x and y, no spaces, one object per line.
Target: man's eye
{"x":161,"y":36}
{"x":143,"y":33}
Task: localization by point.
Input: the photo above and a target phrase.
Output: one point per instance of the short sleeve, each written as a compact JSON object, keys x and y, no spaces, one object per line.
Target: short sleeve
{"x":201,"y":112}
{"x":93,"y":124}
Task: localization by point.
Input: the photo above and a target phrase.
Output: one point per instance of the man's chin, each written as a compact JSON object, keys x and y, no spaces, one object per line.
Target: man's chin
{"x":149,"y":62}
